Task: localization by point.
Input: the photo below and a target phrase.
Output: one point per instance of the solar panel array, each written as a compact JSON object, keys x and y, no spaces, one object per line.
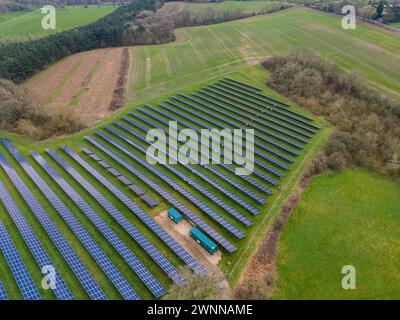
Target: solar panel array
{"x":73,"y":260}
{"x":3,"y":293}
{"x":130,"y":258}
{"x":143,"y":216}
{"x":17,"y":266}
{"x":184,"y":177}
{"x":167,"y":196}
{"x":188,"y":195}
{"x":217,"y":192}
{"x":238,"y":186}
{"x":147,"y":246}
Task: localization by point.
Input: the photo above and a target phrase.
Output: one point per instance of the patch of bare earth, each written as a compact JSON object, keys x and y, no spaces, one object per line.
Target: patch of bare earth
{"x":95,"y":101}
{"x":258,"y":279}
{"x":40,"y":87}
{"x":75,"y":80}
{"x":180,"y":232}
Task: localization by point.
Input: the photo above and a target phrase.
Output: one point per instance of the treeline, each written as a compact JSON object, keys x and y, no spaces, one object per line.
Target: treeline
{"x":19,"y":61}
{"x":20,"y":115}
{"x":367,"y":123}
{"x":209,"y":15}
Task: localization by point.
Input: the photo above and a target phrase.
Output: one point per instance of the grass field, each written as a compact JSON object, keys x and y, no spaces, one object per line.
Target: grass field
{"x":209,"y":51}
{"x":226,"y":6}
{"x":23,"y":25}
{"x":347,"y":218}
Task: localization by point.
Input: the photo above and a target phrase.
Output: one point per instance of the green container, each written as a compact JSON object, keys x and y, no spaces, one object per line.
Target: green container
{"x":174,"y":215}
{"x":203,"y":240}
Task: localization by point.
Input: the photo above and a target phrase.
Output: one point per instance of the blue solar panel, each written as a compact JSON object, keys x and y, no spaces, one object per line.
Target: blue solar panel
{"x":147,"y":246}
{"x":184,"y":177}
{"x":167,"y":196}
{"x":188,"y":195}
{"x":97,"y":253}
{"x":136,"y":265}
{"x":17,"y":266}
{"x":277,"y":163}
{"x":265,"y":109}
{"x":61,"y":290}
{"x":73,"y":260}
{"x":255,"y":117}
{"x":225,"y":118}
{"x":3,"y":293}
{"x":255,"y":172}
{"x":143,"y":216}
{"x":242,"y":118}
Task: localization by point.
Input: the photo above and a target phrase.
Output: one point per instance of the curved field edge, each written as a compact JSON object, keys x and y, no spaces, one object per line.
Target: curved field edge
{"x":346,"y":218}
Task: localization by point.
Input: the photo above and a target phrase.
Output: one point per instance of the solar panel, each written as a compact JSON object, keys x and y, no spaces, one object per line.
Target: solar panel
{"x":97,"y":253}
{"x":149,"y":200}
{"x":167,"y":196}
{"x":95,"y":157}
{"x":3,"y":293}
{"x":136,"y":189}
{"x":130,"y":258}
{"x":125,"y":180}
{"x":150,"y":223}
{"x":40,"y":255}
{"x":277,"y":163}
{"x":255,"y":172}
{"x":73,"y":260}
{"x":104,"y":164}
{"x":241,"y":117}
{"x":188,"y":195}
{"x":184,"y":177}
{"x":17,"y":266}
{"x":114,"y":172}
{"x":87,"y":151}
{"x":244,"y":85}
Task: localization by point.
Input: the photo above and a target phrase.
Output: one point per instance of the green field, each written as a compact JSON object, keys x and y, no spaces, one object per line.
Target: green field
{"x":347,"y":218}
{"x":242,"y":6}
{"x":210,"y":51}
{"x":25,"y":25}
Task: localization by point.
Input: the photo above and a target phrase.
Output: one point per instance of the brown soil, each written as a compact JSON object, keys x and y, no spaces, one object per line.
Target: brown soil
{"x":92,"y":82}
{"x":95,"y":101}
{"x":263,"y":263}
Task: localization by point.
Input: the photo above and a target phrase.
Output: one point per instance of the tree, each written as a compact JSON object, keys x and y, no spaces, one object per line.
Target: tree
{"x":212,"y":286}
